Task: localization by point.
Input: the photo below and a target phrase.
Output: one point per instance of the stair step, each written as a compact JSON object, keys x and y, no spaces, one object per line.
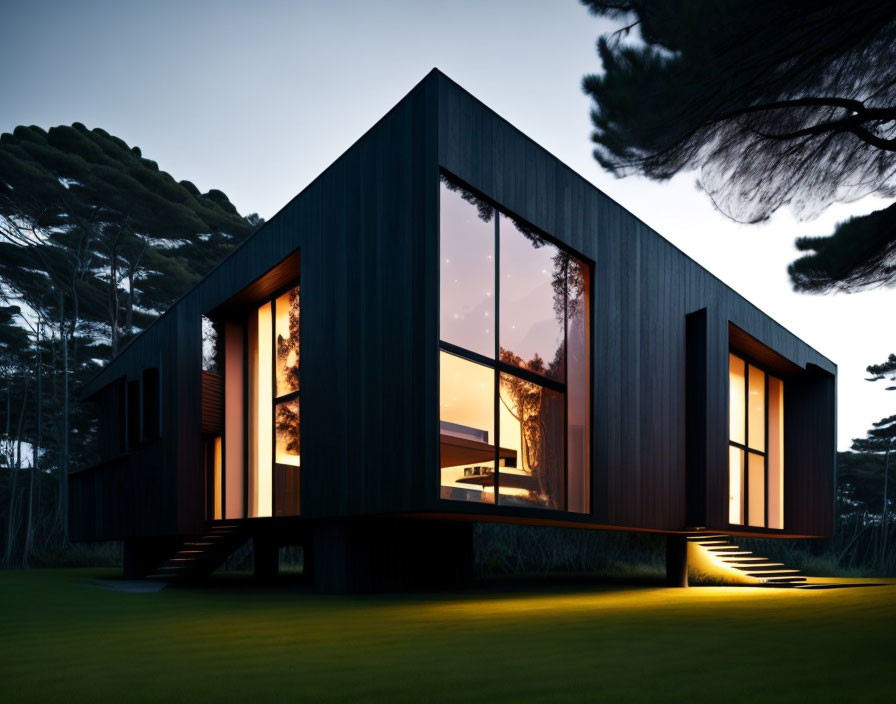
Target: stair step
{"x":771,"y":572}
{"x":785,"y":580}
{"x":756,"y":566}
{"x":731,"y":553}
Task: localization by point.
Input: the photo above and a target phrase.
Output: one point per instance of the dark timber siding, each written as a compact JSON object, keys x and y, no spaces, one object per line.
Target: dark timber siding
{"x":644,"y":290}
{"x":366,"y":231}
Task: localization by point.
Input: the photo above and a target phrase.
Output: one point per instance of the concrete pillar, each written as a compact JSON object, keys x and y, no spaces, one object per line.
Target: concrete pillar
{"x":676,"y":560}
{"x":266,"y":558}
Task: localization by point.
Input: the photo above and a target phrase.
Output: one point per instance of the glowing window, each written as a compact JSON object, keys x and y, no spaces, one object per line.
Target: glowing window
{"x":515,"y":380}
{"x":756,"y":446}
{"x":274,"y":427}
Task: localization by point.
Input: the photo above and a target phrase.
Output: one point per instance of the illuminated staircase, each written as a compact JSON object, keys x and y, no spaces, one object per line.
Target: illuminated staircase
{"x":198,"y":557}
{"x":715,"y":557}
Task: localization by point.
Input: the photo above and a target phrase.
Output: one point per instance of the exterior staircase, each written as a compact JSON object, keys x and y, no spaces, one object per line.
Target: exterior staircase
{"x":716,"y":557}
{"x":198,"y":557}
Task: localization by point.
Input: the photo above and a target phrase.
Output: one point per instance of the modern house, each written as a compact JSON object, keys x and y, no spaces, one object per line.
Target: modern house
{"x":447,"y":326}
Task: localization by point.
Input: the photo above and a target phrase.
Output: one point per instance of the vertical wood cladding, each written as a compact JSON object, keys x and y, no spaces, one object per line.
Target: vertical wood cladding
{"x":367,"y":233}
{"x":644,"y":289}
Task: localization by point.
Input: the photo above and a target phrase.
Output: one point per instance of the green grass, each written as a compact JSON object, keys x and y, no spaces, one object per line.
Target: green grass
{"x":64,"y":640}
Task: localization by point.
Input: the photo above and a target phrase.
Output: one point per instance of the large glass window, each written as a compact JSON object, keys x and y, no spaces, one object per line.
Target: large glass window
{"x":514,"y":390}
{"x":756,"y":446}
{"x":274,"y":445}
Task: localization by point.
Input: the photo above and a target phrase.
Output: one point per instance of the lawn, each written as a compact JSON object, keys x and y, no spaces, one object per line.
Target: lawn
{"x":62,"y":638}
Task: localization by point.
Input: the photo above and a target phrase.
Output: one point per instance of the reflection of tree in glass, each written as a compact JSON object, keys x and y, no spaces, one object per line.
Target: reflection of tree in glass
{"x":567,"y":280}
{"x":526,"y":402}
{"x":483,"y":209}
{"x":287,"y":425}
{"x":288,"y":350}
{"x":210,"y":346}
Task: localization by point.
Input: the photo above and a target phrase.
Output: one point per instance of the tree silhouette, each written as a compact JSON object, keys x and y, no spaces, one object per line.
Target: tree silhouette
{"x":773,"y":103}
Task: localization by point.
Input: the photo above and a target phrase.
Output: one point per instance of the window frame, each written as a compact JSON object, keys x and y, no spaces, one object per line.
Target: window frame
{"x":276,"y":400}
{"x":498,"y":367}
{"x":745,"y":447}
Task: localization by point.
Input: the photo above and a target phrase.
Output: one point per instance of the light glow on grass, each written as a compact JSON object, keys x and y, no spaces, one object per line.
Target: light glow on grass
{"x":62,"y":640}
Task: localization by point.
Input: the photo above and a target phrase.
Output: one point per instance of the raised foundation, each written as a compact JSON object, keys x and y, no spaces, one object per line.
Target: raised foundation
{"x":375,"y":555}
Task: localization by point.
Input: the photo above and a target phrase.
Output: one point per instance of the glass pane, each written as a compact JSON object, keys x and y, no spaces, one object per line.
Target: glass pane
{"x":531,"y":457}
{"x":756,"y":409}
{"x":757,"y":489}
{"x":467,"y":271}
{"x":287,"y":331}
{"x":775,"y":453}
{"x":736,"y":402}
{"x":217,"y":512}
{"x":735,"y":485}
{"x":234,"y":421}
{"x":261,"y":391}
{"x":533,"y":300}
{"x":210,"y":349}
{"x":287,"y":425}
{"x":466,"y":429}
{"x":578,"y":386}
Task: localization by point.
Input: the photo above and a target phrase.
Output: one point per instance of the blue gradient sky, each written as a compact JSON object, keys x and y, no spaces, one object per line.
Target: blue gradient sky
{"x":257,"y":98}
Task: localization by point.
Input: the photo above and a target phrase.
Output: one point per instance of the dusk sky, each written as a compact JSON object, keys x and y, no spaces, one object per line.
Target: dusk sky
{"x":257,"y":99}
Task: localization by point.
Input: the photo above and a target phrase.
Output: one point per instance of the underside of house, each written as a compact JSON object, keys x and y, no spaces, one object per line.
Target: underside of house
{"x":448,"y":326}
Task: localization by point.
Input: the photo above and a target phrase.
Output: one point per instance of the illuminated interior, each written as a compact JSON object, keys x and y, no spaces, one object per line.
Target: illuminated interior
{"x":265,"y":422}
{"x":756,"y":446}
{"x":218,"y":466}
{"x":514,"y":381}
{"x":260,"y":418}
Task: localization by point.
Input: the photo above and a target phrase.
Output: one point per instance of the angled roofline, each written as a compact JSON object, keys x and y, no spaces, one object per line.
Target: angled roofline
{"x":89,"y":387}
{"x":86,"y":389}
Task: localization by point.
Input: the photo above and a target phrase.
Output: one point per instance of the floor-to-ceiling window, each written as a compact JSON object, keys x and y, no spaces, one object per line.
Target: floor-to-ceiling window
{"x":755,"y":446}
{"x":274,"y":438}
{"x":254,"y":468}
{"x":514,"y":387}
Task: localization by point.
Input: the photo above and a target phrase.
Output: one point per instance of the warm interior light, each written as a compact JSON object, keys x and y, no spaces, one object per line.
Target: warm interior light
{"x":735,"y":485}
{"x":756,"y":405}
{"x":233,"y":420}
{"x":736,"y":416}
{"x":467,"y":432}
{"x":775,"y":453}
{"x":218,"y":477}
{"x":756,"y":468}
{"x":261,"y":428}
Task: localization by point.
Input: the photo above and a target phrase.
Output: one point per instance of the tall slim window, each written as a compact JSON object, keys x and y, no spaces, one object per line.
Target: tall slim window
{"x":755,"y":446}
{"x":514,"y":388}
{"x":274,"y":445}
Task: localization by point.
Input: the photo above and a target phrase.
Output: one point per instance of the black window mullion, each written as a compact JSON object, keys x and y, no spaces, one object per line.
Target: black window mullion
{"x":765,"y":515}
{"x":746,"y":470}
{"x":497,"y":391}
{"x":566,"y":384}
{"x":273,"y":405}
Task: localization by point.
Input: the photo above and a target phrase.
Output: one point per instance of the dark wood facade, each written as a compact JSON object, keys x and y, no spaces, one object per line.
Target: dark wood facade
{"x":363,"y":240}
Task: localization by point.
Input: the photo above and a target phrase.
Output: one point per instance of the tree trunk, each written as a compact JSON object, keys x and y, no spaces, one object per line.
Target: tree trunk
{"x":883,"y":514}
{"x":62,"y":503}
{"x":129,"y":314}
{"x":35,"y":461}
{"x":10,"y":526}
{"x":113,"y":300}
